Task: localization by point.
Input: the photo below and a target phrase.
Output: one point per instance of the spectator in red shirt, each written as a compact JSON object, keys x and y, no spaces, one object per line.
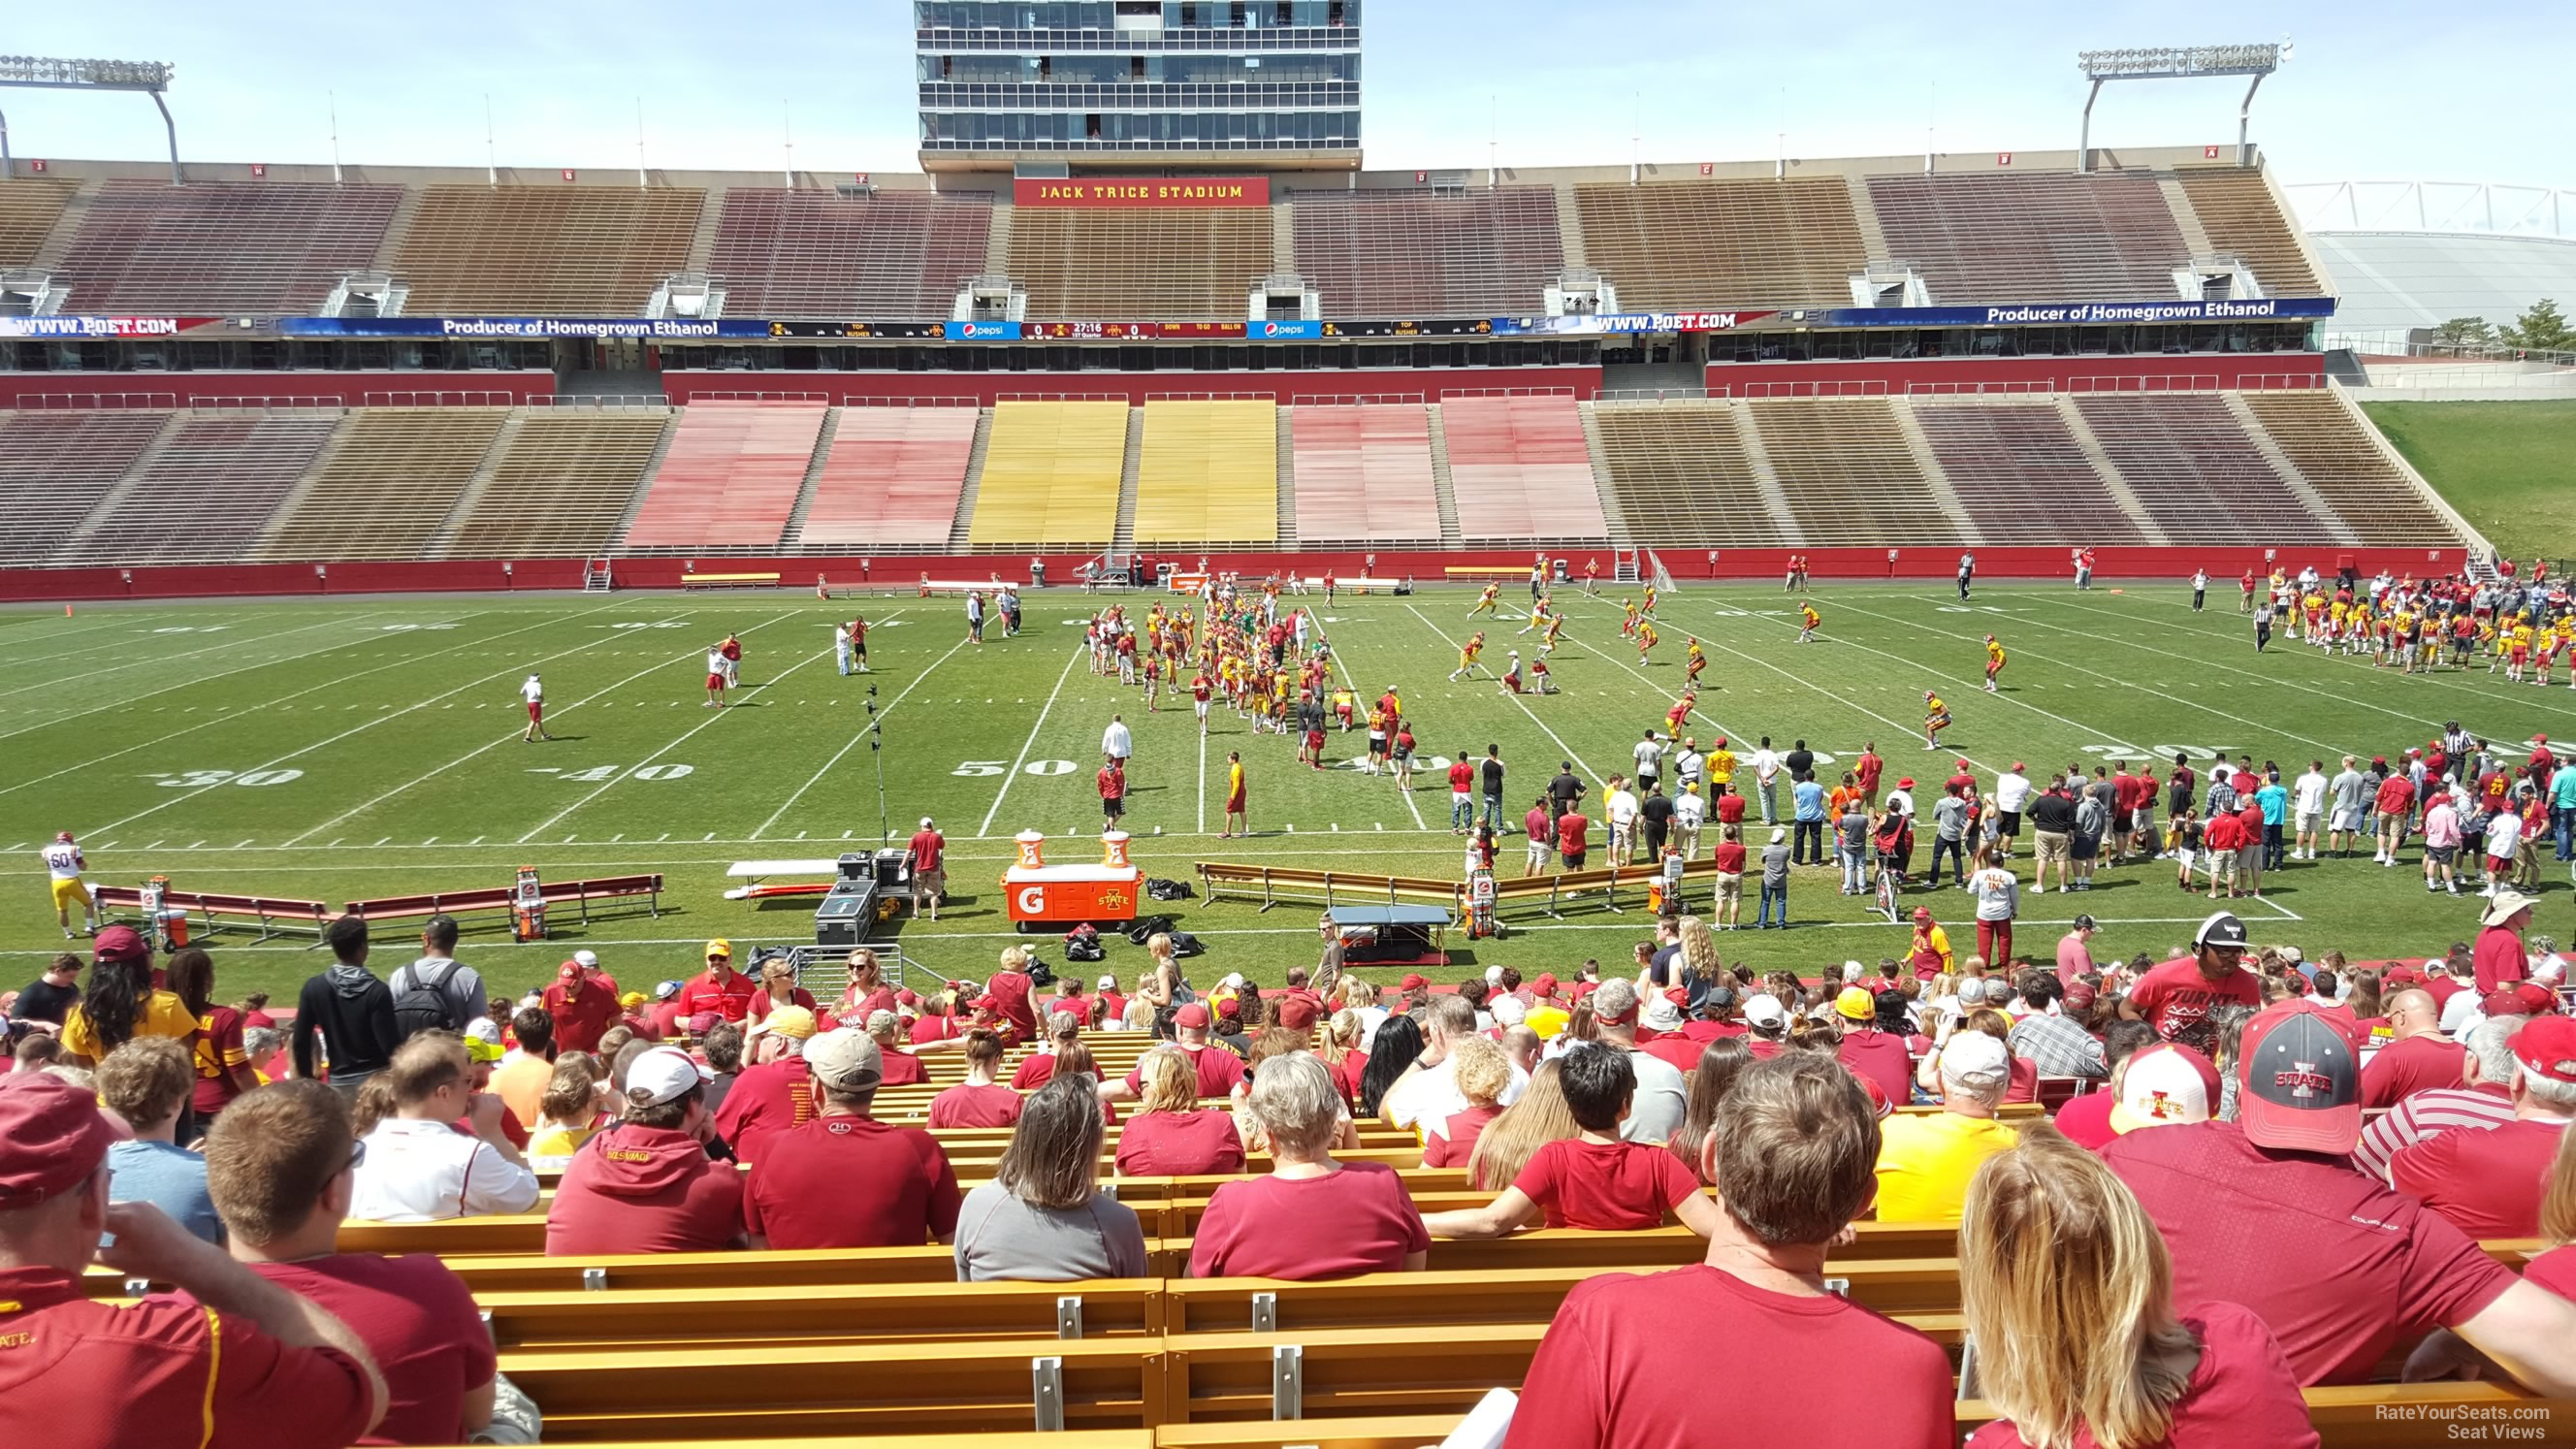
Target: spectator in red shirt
{"x":80,"y":1374}
{"x":1873,"y":1043}
{"x":719,"y":991}
{"x":2396,"y":806}
{"x":1112,"y":782}
{"x":1312,"y":1217}
{"x":901,"y":1067}
{"x":1594,"y":1179}
{"x":2419,"y":1058}
{"x":1063,"y":1030}
{"x":279,"y":1169}
{"x":778,"y":988}
{"x":1218,"y":1069}
{"x":2265,"y":1211}
{"x":1483,"y":1073}
{"x":775,"y":1095}
{"x":928,"y":850}
{"x":977,"y":1101}
{"x":867,"y":992}
{"x":583,"y":1008}
{"x":2065,"y":1271}
{"x":2176,"y":997}
{"x":646,"y":1185}
{"x":2499,"y":956}
{"x":845,"y":1180}
{"x":1012,"y":991}
{"x":1170,"y":1135}
{"x":1791,"y":1149}
{"x":1570,"y":827}
{"x":2489,"y":1181}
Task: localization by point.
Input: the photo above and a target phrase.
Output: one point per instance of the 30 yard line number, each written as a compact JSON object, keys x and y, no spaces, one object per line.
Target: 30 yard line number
{"x":200,"y":779}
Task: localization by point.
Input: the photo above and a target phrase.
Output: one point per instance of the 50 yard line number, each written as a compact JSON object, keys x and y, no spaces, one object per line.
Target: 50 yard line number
{"x":986,"y":769}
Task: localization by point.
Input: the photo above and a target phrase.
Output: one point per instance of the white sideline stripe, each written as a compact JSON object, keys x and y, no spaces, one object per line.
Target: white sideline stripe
{"x":150,"y":661}
{"x":1334,"y":650}
{"x":386,"y":717}
{"x":854,"y":739}
{"x":1514,"y":698}
{"x":684,"y":737}
{"x":984,"y":830}
{"x":403,"y":663}
{"x":2097,"y":674}
{"x":35,"y":637}
{"x":498,"y":741}
{"x":1203,"y":782}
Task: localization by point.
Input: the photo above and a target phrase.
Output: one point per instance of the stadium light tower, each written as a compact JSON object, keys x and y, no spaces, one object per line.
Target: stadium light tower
{"x":2178,"y":62}
{"x":39,"y":72}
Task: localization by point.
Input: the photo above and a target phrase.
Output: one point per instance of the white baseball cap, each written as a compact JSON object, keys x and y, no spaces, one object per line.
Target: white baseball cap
{"x":2162,"y":1085}
{"x":1493,"y":975}
{"x":1764,"y":1009}
{"x":662,"y":1075}
{"x":586,"y":960}
{"x":1108,"y":983}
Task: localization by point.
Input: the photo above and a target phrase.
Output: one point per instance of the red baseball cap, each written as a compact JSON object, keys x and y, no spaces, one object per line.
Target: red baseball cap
{"x":1194,"y":1016}
{"x":2400,"y":976}
{"x":1412,"y":982}
{"x":1905,"y":784}
{"x":1545,"y":983}
{"x":2537,"y":1000}
{"x":568,"y":970}
{"x":120,"y":943}
{"x":2547,"y":1045}
{"x":1298,"y":1012}
{"x":2504,"y":1001}
{"x":2301,"y":1081}
{"x":51,"y":1138}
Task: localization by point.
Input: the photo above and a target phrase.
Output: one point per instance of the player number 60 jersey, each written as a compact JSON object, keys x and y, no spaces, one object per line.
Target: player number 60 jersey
{"x":64,"y":859}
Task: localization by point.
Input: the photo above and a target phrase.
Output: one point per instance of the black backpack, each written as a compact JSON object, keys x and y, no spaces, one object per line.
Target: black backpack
{"x":423,"y":1004}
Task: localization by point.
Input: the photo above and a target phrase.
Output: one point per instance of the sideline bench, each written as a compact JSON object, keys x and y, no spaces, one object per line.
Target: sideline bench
{"x":579,"y":893}
{"x":275,"y":914}
{"x":728,"y":581}
{"x":1486,"y":571}
{"x":1550,"y":891}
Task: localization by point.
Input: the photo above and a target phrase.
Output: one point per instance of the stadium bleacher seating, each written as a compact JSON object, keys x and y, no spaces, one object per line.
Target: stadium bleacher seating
{"x":1364,"y":474}
{"x":55,"y":467}
{"x":1790,"y":243}
{"x":385,"y":485}
{"x":896,"y":255}
{"x":221,"y":248}
{"x":2021,"y":475}
{"x":29,"y":207}
{"x":205,"y":498}
{"x":2107,"y":237}
{"x":559,"y":485}
{"x":2327,"y":447}
{"x":1051,"y":474}
{"x":581,"y":250}
{"x":892,"y":479}
{"x":1682,"y":477}
{"x":1520,"y":471}
{"x":1151,"y":264}
{"x":1846,"y":474}
{"x":2195,"y":472}
{"x":2240,"y":215}
{"x":730,"y":476}
{"x":1417,"y":254}
{"x":1209,"y":474}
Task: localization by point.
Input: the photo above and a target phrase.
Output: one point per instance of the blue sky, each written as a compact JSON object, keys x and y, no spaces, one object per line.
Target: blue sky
{"x":2376,"y":90}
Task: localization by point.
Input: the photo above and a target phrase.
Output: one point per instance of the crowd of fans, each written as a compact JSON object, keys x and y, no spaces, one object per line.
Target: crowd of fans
{"x":2262,"y":1171}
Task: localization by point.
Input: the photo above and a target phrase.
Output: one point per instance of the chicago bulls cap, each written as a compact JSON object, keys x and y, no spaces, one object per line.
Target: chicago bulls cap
{"x":2301,"y":1090}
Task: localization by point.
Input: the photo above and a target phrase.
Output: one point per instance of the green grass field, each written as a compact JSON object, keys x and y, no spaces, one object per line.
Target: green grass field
{"x":371,"y":747}
{"x":2509,"y":467}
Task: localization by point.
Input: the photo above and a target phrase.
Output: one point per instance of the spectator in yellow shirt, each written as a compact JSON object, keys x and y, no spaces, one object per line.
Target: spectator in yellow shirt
{"x":1925,"y":1163}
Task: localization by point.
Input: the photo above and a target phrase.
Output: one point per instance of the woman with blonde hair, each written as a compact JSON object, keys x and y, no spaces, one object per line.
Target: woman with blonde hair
{"x":2555,"y":1269}
{"x":1699,"y":953}
{"x":1341,"y":1053}
{"x":1483,"y":1074}
{"x":778,"y":988}
{"x":2068,"y":1292}
{"x":1171,"y":1135}
{"x":1507,"y":1143}
{"x":567,"y":1114}
{"x":867,"y":992}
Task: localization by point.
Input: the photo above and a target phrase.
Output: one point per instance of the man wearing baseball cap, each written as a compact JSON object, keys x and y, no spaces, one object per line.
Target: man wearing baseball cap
{"x":2498,"y":955}
{"x":646,"y":1185}
{"x":2267,"y":1212}
{"x":1218,"y":1069}
{"x":775,"y":1095}
{"x":719,"y":990}
{"x":1878,"y":1056}
{"x":2489,"y":1181}
{"x":845,"y":1180}
{"x":2162,"y":1084}
{"x":2177,"y":997}
{"x":79,"y":1374}
{"x":583,"y":1006}
{"x":1924,"y":1163}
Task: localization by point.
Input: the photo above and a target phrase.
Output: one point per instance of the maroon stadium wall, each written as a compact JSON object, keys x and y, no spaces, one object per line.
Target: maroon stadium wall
{"x":2158,"y":372}
{"x":1928,"y":565}
{"x":340,"y":389}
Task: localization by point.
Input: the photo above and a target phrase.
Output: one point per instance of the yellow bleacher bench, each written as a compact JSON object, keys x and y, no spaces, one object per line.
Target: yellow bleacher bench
{"x":728,"y":581}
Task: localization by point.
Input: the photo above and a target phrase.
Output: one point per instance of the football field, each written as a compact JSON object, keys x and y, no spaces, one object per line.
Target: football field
{"x":334,"y":749}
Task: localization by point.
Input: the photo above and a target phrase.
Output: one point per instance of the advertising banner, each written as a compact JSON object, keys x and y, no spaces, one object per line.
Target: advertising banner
{"x":645,"y":329}
{"x":2077,"y":314}
{"x":78,"y":327}
{"x":1292,"y":329}
{"x":1409,"y":327}
{"x":980,"y":331}
{"x":1600,"y":323}
{"x":1116,"y":193}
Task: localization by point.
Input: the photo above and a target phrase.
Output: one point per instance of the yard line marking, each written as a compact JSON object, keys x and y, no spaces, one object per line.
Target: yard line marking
{"x":985,"y":830}
{"x":1203,"y":782}
{"x":684,"y":737}
{"x":154,"y":660}
{"x":1514,"y":698}
{"x":776,"y":815}
{"x":119,"y":622}
{"x":193,"y":682}
{"x":2105,"y":680}
{"x":280,"y":702}
{"x":476,"y":683}
{"x":2436,"y":679}
{"x":1340,"y":659}
{"x":1721,"y":726}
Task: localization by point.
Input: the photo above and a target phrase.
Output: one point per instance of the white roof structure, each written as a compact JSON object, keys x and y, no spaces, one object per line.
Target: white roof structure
{"x":2410,"y":254}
